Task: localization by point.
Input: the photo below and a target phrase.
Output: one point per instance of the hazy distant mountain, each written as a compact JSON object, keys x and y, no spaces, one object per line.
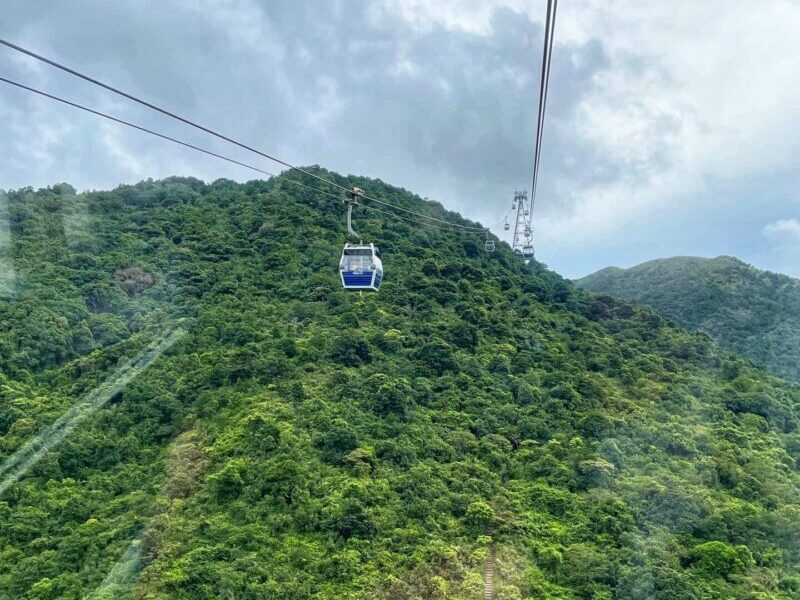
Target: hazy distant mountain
{"x":753,"y":313}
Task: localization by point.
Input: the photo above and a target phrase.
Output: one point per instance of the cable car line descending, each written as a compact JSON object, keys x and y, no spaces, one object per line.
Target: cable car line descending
{"x":221,"y":136}
{"x":547,"y":54}
{"x":283,"y":176}
{"x":522,"y":204}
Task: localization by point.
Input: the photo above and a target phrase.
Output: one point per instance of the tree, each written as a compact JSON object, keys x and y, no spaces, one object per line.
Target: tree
{"x":718,"y":559}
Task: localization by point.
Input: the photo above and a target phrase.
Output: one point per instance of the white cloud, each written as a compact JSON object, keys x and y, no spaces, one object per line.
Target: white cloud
{"x":326,"y":106}
{"x":129,"y":161}
{"x":471,"y":16}
{"x":704,"y":92}
{"x":244,"y":23}
{"x":33,"y":132}
{"x":783,"y":252}
{"x":783,"y":231}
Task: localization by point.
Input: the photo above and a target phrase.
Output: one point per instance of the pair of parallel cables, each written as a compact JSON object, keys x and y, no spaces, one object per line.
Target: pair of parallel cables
{"x":415,"y":216}
{"x":547,"y":54}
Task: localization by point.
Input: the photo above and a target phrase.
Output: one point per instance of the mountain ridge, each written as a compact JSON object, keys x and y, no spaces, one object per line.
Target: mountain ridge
{"x":753,"y":313}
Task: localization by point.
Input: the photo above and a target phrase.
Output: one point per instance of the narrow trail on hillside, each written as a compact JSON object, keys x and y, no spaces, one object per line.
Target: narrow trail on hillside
{"x":488,"y":576}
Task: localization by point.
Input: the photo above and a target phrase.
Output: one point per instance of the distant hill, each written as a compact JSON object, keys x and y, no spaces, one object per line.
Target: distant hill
{"x":753,"y":313}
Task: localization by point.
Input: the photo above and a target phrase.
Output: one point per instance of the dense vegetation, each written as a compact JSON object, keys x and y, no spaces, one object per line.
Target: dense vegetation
{"x":752,"y":313}
{"x":302,"y":442}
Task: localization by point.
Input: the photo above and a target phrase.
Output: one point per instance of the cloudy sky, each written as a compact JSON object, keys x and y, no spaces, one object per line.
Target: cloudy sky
{"x":673,"y":127}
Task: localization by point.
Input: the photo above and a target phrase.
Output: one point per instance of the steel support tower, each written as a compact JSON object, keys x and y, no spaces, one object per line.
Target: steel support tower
{"x":522,"y":225}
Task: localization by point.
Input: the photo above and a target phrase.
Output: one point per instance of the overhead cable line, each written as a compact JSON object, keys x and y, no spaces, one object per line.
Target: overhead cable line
{"x":132,"y":125}
{"x":220,"y":135}
{"x":417,"y":221}
{"x":547,"y":54}
{"x":282,"y":176}
{"x":152,"y":132}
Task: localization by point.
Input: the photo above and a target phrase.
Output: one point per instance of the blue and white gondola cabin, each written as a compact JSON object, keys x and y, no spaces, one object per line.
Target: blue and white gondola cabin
{"x":361,"y":267}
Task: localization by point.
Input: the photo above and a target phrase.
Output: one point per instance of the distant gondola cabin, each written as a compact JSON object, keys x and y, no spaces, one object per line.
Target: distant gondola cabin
{"x":528,"y":253}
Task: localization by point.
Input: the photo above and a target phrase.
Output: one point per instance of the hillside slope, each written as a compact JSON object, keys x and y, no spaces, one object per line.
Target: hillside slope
{"x":303,"y":442}
{"x":752,"y":313}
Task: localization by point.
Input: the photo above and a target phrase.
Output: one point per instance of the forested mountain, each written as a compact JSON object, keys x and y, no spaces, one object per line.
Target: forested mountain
{"x":302,"y":442}
{"x":752,"y":313}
